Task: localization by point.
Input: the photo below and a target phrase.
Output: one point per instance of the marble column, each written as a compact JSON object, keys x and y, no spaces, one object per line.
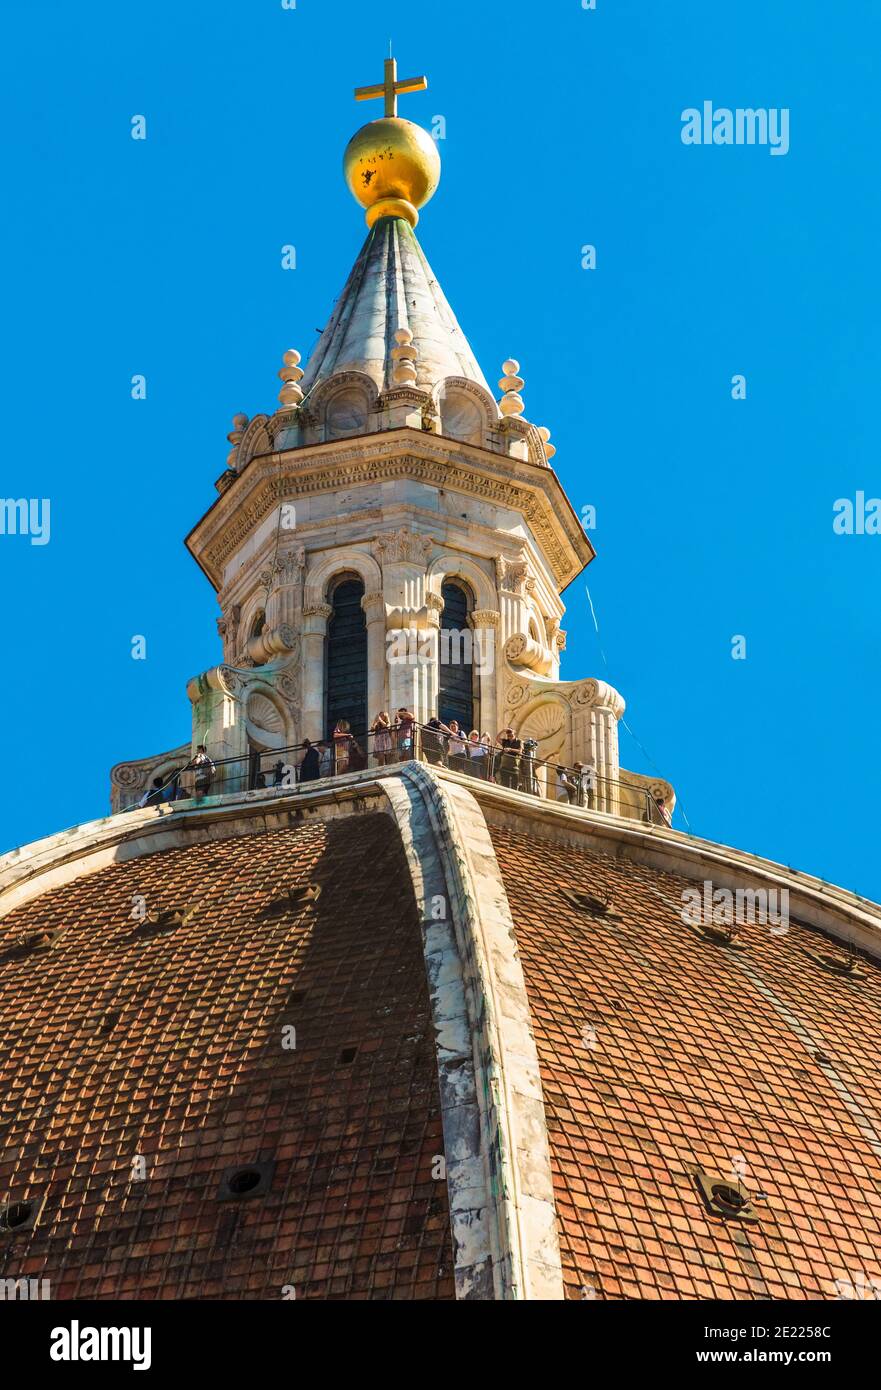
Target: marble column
{"x":596,"y":709}
{"x":313,"y":635}
{"x":485,"y":623}
{"x":374,"y":611}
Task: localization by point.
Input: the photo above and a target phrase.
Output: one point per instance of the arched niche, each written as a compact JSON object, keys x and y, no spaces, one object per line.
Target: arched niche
{"x":460,"y":416}
{"x":325,"y":570}
{"x":344,"y":405}
{"x":451,"y":565}
{"x":466,"y":411}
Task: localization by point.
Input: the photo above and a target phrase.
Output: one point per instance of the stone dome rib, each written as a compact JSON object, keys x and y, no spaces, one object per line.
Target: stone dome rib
{"x":392,"y":286}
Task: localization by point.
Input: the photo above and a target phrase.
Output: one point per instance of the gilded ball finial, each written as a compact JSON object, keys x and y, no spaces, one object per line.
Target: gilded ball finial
{"x":391,"y":165}
{"x":392,"y":168}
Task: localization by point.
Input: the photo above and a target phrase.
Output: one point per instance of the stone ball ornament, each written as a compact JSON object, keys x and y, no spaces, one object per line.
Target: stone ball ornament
{"x":392,"y":168}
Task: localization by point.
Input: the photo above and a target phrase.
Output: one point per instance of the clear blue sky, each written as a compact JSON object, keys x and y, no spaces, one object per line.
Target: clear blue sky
{"x":563,"y":128}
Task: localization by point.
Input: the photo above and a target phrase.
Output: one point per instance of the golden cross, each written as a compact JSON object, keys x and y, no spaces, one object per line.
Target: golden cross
{"x":391,"y":88}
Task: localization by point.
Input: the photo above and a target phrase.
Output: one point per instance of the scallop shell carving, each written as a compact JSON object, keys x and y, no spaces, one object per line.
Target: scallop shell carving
{"x":263,"y":713}
{"x":543,"y":723}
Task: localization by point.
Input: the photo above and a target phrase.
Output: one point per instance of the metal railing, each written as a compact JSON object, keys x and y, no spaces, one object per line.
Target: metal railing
{"x":300,"y":765}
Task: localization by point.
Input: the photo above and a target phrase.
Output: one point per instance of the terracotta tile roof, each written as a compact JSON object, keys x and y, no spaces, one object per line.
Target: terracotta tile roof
{"x":123,"y":1040}
{"x":758,"y":1060}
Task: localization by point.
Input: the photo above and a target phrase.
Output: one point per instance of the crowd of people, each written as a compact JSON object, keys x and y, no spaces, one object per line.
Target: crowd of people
{"x":506,"y":760}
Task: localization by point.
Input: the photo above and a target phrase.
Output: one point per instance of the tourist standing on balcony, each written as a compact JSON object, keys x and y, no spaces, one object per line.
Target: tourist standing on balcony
{"x":381,"y":731}
{"x":490,"y":755}
{"x":405,"y":723}
{"x":567,"y":789}
{"x":325,"y":760}
{"x":204,"y":769}
{"x":342,"y":746}
{"x":476,"y":755}
{"x":434,"y":741}
{"x":155,"y":795}
{"x":458,"y":748}
{"x":310,"y":767}
{"x":509,"y":759}
{"x":586,"y":779}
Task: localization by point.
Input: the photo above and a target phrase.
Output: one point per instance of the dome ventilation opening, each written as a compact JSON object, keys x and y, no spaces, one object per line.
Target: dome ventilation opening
{"x":724,"y":1197}
{"x":165,"y":919}
{"x":20,"y":1215}
{"x":246,"y":1180}
{"x":597,"y":907}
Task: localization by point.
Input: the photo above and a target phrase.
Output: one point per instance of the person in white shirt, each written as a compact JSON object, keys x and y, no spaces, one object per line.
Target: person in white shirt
{"x":204,"y":770}
{"x":457,"y":749}
{"x":566,"y":788}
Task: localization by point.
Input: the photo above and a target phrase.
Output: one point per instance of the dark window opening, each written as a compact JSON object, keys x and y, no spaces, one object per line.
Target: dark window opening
{"x":347,"y":659}
{"x":456,"y":673}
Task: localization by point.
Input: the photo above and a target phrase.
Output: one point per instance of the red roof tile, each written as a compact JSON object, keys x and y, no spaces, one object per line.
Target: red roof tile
{"x":700,"y":1056}
{"x":124,"y":1040}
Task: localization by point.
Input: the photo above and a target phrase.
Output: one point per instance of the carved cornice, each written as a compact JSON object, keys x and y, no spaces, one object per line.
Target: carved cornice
{"x":404,"y":395}
{"x":496,"y":479}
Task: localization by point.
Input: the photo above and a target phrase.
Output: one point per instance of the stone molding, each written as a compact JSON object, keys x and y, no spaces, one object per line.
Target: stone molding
{"x":506,"y":482}
{"x":495,"y":1133}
